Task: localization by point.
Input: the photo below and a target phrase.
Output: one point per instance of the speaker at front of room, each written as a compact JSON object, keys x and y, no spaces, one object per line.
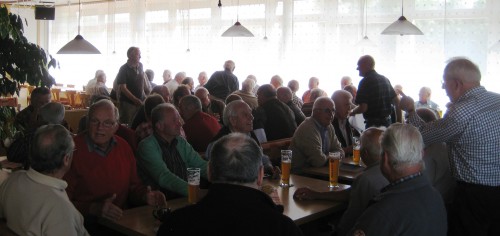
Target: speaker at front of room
{"x":45,"y":13}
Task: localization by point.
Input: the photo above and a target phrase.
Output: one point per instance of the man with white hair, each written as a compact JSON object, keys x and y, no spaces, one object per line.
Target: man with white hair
{"x":346,"y":80}
{"x":294,"y":86}
{"x":223,"y":83}
{"x":409,"y":205}
{"x":313,"y":84}
{"x":424,"y":100}
{"x":276,"y":81}
{"x":99,"y":88}
{"x":470,"y":130}
{"x":202,"y":79}
{"x":246,"y":93}
{"x":167,"y":76}
{"x":173,"y":84}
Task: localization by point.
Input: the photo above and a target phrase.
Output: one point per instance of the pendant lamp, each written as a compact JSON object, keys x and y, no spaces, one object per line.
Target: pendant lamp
{"x":237,"y":30}
{"x":365,"y":42}
{"x":78,"y":45}
{"x":402,"y":26}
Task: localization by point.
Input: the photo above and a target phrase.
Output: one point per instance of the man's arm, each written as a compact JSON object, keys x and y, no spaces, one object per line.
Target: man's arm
{"x":309,"y":142}
{"x":361,"y":108}
{"x":127,"y":93}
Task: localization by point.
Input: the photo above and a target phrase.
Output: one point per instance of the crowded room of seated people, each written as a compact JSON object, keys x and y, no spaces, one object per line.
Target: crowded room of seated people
{"x":214,"y":159}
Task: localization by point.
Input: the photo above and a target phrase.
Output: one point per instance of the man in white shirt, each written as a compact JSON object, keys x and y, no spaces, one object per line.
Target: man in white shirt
{"x":34,"y":202}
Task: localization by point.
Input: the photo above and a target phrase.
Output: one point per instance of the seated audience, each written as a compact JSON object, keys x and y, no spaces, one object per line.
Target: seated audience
{"x":199,"y":127}
{"x":103,"y":178}
{"x":202,"y":79}
{"x":424,"y":101}
{"x":284,"y":94}
{"x":145,"y":128}
{"x":315,"y":137}
{"x":167,"y":76}
{"x":181,"y":91}
{"x":313,"y":84}
{"x":278,"y":118}
{"x":99,"y":87}
{"x":27,"y":117}
{"x":294,"y":86}
{"x":173,"y":84}
{"x":234,"y":204}
{"x":34,"y":202}
{"x":162,"y":158}
{"x":246,"y":93}
{"x":409,"y":205}
{"x":276,"y":81}
{"x":256,"y":87}
{"x":308,"y":106}
{"x":140,"y":116}
{"x":189,"y":82}
{"x":343,"y":130}
{"x":364,"y":188}
{"x":211,"y":106}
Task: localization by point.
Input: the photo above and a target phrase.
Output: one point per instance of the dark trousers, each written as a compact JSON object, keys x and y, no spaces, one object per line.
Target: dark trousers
{"x":475,"y":210}
{"x":377,"y":122}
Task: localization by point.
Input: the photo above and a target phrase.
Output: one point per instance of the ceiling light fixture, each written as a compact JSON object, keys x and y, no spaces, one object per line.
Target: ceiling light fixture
{"x":78,"y":45}
{"x":402,"y":26}
{"x":365,"y":42}
{"x":237,"y":30}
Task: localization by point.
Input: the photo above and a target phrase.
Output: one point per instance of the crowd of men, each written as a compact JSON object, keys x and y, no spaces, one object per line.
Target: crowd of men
{"x":433,"y":175}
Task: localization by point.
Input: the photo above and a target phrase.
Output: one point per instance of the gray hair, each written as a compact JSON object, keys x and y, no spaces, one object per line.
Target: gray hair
{"x":159,"y":113}
{"x":235,"y":158}
{"x":403,"y":145}
{"x":51,"y":113}
{"x":247,"y":85}
{"x":51,"y":144}
{"x":462,"y":69}
{"x":231,"y":111}
{"x":426,"y":114}
{"x":191,"y":102}
{"x":103,"y":103}
{"x":316,"y":93}
{"x":370,"y":142}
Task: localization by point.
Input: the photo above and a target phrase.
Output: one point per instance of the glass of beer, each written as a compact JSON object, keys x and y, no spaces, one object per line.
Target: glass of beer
{"x":193,"y":177}
{"x":286,"y":164}
{"x":333,"y":169}
{"x":355,"y":151}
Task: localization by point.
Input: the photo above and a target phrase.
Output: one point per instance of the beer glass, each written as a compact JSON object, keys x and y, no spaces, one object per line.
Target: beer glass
{"x":333,"y":169}
{"x":286,"y":164}
{"x":193,"y":177}
{"x":355,"y":151}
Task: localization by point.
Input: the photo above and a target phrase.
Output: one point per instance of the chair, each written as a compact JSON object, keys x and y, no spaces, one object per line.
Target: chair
{"x":30,"y":90}
{"x":71,"y":96}
{"x":56,"y":96}
{"x":273,"y":149}
{"x":84,"y":100}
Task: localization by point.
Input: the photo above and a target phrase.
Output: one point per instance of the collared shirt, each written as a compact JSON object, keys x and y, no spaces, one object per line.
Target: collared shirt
{"x":343,"y":130}
{"x":471,"y":130}
{"x":94,"y":148}
{"x":325,"y":141}
{"x":376,"y":91}
{"x":400,"y":181}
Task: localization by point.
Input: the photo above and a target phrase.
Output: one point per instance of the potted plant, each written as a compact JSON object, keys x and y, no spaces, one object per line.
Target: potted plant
{"x":20,"y":62}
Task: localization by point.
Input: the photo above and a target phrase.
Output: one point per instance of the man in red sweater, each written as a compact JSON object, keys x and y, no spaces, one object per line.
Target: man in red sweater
{"x":103,"y":176}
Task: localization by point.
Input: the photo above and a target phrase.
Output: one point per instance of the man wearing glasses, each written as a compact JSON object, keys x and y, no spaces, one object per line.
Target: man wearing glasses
{"x":103,"y":177}
{"x":315,"y":137}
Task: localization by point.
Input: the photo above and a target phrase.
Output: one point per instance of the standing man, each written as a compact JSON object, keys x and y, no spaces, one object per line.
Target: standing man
{"x":375,"y":96}
{"x":133,"y":85}
{"x":470,"y":129}
{"x":34,"y":202}
{"x":223,"y":83}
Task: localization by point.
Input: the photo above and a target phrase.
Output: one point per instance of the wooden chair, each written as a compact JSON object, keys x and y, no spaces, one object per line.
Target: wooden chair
{"x":30,"y":90}
{"x":84,"y":100}
{"x":273,"y":149}
{"x":71,"y":96}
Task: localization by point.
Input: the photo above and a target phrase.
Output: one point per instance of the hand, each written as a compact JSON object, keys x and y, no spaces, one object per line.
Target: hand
{"x":276,"y":172}
{"x":155,"y":198}
{"x":138,"y":102}
{"x":407,"y":104}
{"x":305,"y":194}
{"x":107,"y":209}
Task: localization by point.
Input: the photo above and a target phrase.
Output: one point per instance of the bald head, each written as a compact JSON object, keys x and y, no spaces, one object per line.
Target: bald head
{"x":370,"y":145}
{"x":276,"y":81}
{"x":313,"y":83}
{"x":229,"y":65}
{"x":284,"y":94}
{"x":316,"y":93}
{"x":265,"y":93}
{"x":366,"y":64}
{"x":293,"y":85}
{"x":346,"y":80}
{"x":162,"y":90}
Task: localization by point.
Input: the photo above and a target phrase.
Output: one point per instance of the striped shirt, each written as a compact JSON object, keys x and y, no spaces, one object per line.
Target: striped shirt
{"x":471,"y":129}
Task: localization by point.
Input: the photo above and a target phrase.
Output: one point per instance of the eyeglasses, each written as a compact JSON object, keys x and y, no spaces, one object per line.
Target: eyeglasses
{"x":326,"y":110}
{"x":105,"y":124}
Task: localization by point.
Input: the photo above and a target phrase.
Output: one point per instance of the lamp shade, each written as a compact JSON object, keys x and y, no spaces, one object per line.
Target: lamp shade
{"x":78,"y":46}
{"x":237,"y":30}
{"x":402,"y":27}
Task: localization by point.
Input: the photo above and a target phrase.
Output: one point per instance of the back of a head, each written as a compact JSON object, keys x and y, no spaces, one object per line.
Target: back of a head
{"x":160,"y":111}
{"x":231,"y":110}
{"x":236,"y":159}
{"x":151,"y":74}
{"x":351,"y":89}
{"x":180,"y":92}
{"x":370,"y":142}
{"x":462,"y":69}
{"x":180,"y":76}
{"x":162,"y":90}
{"x":340,"y":95}
{"x":229,"y":65}
{"x":316,"y":93}
{"x":39,"y":91}
{"x":51,"y":144}
{"x":403,"y":144}
{"x":191,"y":103}
{"x":284,"y":94}
{"x":232,"y":97}
{"x":346,"y":80}
{"x":187,"y":81}
{"x":151,"y":102}
{"x":267,"y":91}
{"x":97,"y":73}
{"x":247,"y":85}
{"x":293,"y":85}
{"x":276,"y":81}
{"x":426,"y":114}
{"x":252,"y":77}
{"x":51,"y":113}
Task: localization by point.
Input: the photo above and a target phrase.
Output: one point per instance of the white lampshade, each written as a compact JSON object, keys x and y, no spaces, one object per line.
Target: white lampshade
{"x":402,"y":27}
{"x":495,"y":47}
{"x":237,"y":30}
{"x":365,"y":42}
{"x":78,"y":46}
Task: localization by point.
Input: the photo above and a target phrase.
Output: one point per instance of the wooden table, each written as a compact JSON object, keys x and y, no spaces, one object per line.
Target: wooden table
{"x":348,"y":171}
{"x":140,"y":220}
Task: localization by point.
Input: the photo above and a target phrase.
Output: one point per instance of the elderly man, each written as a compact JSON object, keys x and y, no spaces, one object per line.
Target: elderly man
{"x":162,"y":158}
{"x":470,"y":130}
{"x":364,"y":187}
{"x":308,"y":106}
{"x":344,"y":81}
{"x":375,"y":97}
{"x":284,"y":94}
{"x":278,"y":118}
{"x":313,"y":84}
{"x":173,"y":84}
{"x":133,"y":85}
{"x":99,"y":88}
{"x":213,"y":107}
{"x":424,"y":100}
{"x":343,"y":130}
{"x":145,"y":128}
{"x":27,"y":117}
{"x":276,"y":81}
{"x":151,"y":76}
{"x":223,"y":83}
{"x":315,"y":137}
{"x":200,"y":127}
{"x":202,"y":79}
{"x":140,"y":116}
{"x":408,"y":205}
{"x":167,"y":76}
{"x":294,"y":86}
{"x":35,"y":202}
{"x":234,"y":202}
{"x":246,"y":93}
{"x":93,"y":81}
{"x":103,"y":177}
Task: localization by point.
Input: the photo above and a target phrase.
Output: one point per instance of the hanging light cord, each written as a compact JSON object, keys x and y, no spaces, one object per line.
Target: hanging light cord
{"x":402,"y":3}
{"x":79,"y":15}
{"x":366,"y":18}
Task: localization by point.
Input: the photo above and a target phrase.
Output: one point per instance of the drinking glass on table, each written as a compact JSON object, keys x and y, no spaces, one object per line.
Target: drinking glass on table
{"x":193,"y":177}
{"x":356,"y":156}
{"x":286,"y":164}
{"x":333,"y":169}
